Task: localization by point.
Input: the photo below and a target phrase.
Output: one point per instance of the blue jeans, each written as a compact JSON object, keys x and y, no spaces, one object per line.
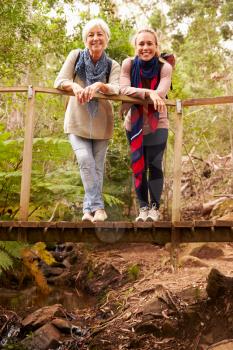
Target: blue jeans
{"x":91,"y":158}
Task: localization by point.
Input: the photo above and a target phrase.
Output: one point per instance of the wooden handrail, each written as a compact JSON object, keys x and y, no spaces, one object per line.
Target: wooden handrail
{"x":185,"y":103}
{"x":207,"y":101}
{"x":13,"y":89}
{"x":121,"y":98}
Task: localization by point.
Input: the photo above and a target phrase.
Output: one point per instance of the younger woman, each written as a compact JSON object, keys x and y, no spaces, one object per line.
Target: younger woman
{"x":147,"y":76}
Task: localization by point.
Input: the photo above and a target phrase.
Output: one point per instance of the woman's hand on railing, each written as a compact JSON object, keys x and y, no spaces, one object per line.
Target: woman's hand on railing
{"x":88,"y":92}
{"x":159,"y":103}
{"x":77,"y":90}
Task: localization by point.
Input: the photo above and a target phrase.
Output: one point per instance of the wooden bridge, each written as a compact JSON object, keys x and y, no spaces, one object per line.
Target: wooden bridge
{"x":174,"y":231}
{"x":160,"y":232}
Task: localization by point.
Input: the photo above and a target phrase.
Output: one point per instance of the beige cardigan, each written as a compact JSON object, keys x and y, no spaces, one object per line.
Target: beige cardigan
{"x":77,"y":119}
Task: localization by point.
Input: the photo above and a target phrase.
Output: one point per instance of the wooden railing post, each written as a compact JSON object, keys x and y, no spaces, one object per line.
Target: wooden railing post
{"x":27,"y":155}
{"x":177,"y":172}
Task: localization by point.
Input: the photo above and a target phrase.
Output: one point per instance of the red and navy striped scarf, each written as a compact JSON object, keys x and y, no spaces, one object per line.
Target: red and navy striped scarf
{"x":142,"y":70}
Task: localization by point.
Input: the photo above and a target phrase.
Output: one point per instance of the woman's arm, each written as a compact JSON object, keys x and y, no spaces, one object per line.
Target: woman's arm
{"x":112,"y":87}
{"x":160,"y":93}
{"x":165,"y":80}
{"x":65,"y":77}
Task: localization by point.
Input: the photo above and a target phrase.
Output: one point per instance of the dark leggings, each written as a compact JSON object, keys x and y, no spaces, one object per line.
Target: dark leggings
{"x":154,"y":145}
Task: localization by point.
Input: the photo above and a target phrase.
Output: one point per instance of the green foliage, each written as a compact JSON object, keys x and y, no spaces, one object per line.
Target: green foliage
{"x":112,"y":200}
{"x":10,"y":252}
{"x":27,"y":35}
{"x":5,"y":261}
{"x":133,"y":272}
{"x":11,"y":345}
{"x":90,"y":275}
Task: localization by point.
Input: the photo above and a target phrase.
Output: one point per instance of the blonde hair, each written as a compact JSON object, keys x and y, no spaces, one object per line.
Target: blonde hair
{"x":96,"y":22}
{"x":151,"y":31}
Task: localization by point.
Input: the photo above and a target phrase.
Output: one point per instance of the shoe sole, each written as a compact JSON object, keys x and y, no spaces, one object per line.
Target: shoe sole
{"x":150,"y":219}
{"x":98,"y":220}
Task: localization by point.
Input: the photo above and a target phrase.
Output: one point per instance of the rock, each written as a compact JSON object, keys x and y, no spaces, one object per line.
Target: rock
{"x":98,"y":280}
{"x":170,"y":328}
{"x":154,"y":307}
{"x":207,"y":251}
{"x":148,"y":328}
{"x":159,"y":302}
{"x":63,"y":325}
{"x":127,"y":316}
{"x":218,"y":284}
{"x":50,"y":271}
{"x":137,"y":342}
{"x":59,"y":280}
{"x":191,"y":317}
{"x":195,"y":292}
{"x":66,"y":263}
{"x":42,"y":316}
{"x":44,"y":338}
{"x":75,"y":330}
{"x":72,"y":258}
{"x":191,"y":261}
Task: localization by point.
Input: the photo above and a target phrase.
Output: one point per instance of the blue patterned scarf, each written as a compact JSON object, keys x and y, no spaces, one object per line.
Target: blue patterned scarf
{"x":91,"y":73}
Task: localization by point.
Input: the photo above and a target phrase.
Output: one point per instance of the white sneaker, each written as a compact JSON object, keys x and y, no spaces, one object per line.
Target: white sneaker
{"x":153,"y":215}
{"x":143,"y":212}
{"x":87,"y":216}
{"x":100,"y":215}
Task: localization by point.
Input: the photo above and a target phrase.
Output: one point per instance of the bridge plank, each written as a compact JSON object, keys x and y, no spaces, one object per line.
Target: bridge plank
{"x":223,"y":223}
{"x":162,"y":224}
{"x":203,"y":223}
{"x":184,"y":224}
{"x":122,"y":225}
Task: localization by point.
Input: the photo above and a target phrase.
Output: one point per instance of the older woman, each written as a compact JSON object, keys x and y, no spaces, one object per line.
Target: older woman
{"x":147,"y":75}
{"x":88,"y":121}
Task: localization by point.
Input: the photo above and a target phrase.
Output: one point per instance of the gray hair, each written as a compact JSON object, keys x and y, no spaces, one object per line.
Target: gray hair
{"x":96,"y":22}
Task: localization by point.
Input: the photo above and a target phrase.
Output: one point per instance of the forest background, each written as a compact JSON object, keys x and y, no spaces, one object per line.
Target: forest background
{"x":34,"y":43}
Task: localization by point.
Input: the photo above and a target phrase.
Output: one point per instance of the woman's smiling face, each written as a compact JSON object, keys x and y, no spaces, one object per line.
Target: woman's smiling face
{"x":96,"y":40}
{"x":146,"y":46}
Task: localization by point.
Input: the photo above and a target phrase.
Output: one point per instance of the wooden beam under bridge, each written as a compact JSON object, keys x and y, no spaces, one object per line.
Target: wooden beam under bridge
{"x":113,"y":232}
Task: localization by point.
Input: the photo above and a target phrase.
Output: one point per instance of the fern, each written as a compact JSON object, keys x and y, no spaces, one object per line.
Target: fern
{"x":112,"y":200}
{"x":13,"y":249}
{"x":6,"y":262}
{"x":9,"y":252}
